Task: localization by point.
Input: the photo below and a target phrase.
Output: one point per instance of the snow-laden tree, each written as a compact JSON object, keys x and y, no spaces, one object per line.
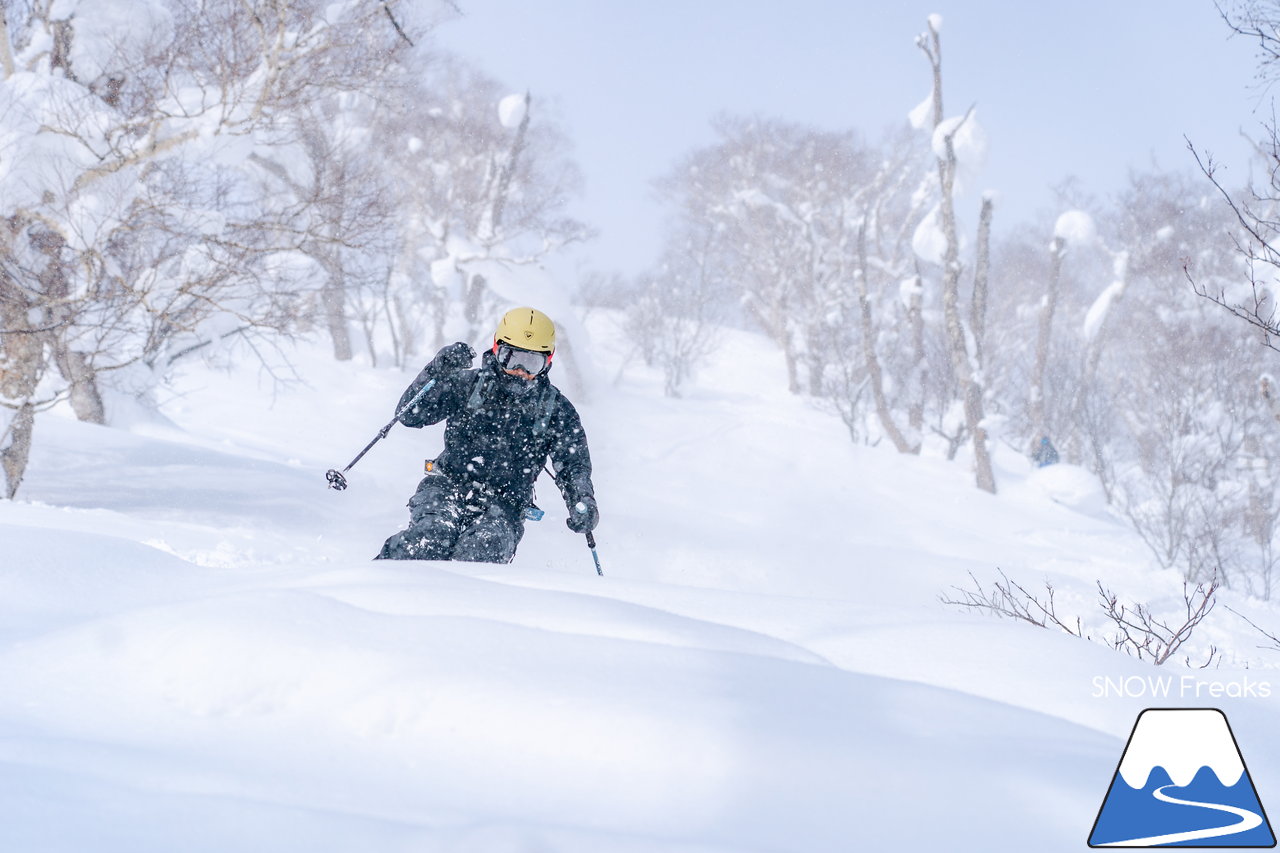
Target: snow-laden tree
{"x":679,"y":305}
{"x":1188,"y":448}
{"x":133,"y":228}
{"x":1074,"y":228}
{"x":481,"y":180}
{"x":813,"y":230}
{"x":1255,"y":207}
{"x":331,"y":201}
{"x":886,"y":356}
{"x":785,"y":201}
{"x":1153,"y":388}
{"x":953,"y":141}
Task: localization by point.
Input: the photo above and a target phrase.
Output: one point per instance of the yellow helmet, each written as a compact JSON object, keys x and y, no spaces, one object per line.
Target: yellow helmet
{"x":526,"y":328}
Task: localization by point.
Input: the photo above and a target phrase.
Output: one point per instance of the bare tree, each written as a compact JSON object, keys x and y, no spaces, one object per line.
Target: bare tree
{"x":883,"y":259}
{"x":788,"y":200}
{"x":1254,"y":207}
{"x":871,"y":360}
{"x":964,"y":362}
{"x":676,"y":312}
{"x":1130,"y":627}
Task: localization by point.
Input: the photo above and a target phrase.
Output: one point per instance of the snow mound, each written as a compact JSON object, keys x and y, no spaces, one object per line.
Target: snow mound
{"x":198,"y":653}
{"x":1071,"y":486}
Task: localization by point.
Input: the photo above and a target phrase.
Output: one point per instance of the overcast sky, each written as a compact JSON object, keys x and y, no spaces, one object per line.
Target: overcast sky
{"x":1088,"y":89}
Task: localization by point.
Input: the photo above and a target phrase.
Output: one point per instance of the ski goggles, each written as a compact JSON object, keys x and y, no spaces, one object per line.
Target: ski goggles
{"x":512,"y":358}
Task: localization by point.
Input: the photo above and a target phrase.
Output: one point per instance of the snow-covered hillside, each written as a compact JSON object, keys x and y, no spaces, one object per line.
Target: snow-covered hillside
{"x":197,"y":653}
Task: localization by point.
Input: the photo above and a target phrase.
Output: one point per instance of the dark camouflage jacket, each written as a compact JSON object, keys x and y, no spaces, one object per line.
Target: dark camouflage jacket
{"x":500,"y":430}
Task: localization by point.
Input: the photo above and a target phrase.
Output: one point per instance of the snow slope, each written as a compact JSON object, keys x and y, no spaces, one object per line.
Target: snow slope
{"x":197,"y":653}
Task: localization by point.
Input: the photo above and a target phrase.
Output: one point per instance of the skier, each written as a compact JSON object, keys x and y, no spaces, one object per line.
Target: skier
{"x":502,"y":421}
{"x":1045,"y":453}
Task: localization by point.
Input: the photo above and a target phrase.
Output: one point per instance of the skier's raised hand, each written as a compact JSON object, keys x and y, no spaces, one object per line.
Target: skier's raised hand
{"x":450,"y":359}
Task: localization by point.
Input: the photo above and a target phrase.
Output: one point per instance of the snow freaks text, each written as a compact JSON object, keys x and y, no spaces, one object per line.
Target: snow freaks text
{"x":1177,"y":687}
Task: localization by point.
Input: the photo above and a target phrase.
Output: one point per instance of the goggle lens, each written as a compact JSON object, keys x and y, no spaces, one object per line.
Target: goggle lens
{"x":510,"y":358}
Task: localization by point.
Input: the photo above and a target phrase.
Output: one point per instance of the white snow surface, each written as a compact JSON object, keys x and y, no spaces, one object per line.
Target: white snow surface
{"x":198,"y":653}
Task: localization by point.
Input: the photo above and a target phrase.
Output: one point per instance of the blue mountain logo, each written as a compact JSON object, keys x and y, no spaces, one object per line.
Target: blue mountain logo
{"x":1182,"y":782}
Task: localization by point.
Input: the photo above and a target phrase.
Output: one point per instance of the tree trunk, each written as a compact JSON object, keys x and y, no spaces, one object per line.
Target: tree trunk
{"x":15,"y":451}
{"x":1093,"y":356}
{"x":6,"y":51}
{"x":793,"y":367}
{"x":957,"y":346}
{"x":964,"y":370}
{"x":473,"y":307}
{"x":1039,"y":427}
{"x":817,"y":371}
{"x":981,"y":274}
{"x":509,"y":170}
{"x":920,"y":364}
{"x":874,"y":372}
{"x":60,"y":51}
{"x":86,"y":399}
{"x":967,"y":373}
{"x":334,"y":299}
{"x":568,"y":362}
{"x":22,"y":362}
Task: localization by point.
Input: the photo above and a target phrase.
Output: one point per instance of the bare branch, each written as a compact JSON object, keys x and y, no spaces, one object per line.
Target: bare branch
{"x":1135,"y":629}
{"x":386,"y":7}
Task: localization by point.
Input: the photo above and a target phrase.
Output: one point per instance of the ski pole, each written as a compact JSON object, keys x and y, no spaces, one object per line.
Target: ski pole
{"x":336,"y":479}
{"x":590,"y":543}
{"x":580,"y":507}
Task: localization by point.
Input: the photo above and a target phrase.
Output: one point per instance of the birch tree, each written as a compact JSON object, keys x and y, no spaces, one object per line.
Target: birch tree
{"x":961,"y":343}
{"x":131,"y":227}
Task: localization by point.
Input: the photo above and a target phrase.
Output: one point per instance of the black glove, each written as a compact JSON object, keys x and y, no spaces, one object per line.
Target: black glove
{"x":584,"y":515}
{"x":450,"y":359}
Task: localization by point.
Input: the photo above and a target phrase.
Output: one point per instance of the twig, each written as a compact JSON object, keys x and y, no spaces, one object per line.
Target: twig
{"x":387,"y":8}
